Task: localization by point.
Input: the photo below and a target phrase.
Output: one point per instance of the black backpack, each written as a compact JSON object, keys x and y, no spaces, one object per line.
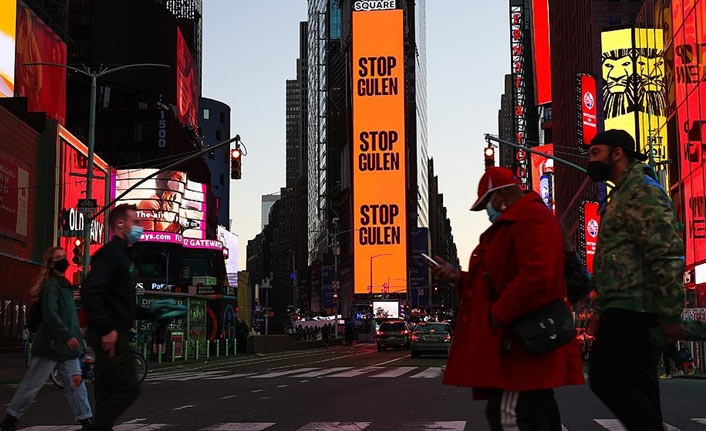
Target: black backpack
{"x":35,"y":317}
{"x":578,"y":279}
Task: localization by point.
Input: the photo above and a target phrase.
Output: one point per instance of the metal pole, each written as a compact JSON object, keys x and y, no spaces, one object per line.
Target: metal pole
{"x":489,"y":138}
{"x":88,"y":219}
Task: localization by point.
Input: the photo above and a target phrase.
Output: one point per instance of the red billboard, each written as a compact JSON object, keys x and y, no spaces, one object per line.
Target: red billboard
{"x":541,"y":165}
{"x":588,"y":108}
{"x":591,"y":221}
{"x":542,"y":51}
{"x":72,"y":166}
{"x":43,"y":86}
{"x":187,"y":82}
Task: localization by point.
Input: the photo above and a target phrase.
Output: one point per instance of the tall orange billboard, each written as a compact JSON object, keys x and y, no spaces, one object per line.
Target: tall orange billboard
{"x":379,"y":213}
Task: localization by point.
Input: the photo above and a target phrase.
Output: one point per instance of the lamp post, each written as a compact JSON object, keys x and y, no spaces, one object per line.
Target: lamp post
{"x":94,"y":75}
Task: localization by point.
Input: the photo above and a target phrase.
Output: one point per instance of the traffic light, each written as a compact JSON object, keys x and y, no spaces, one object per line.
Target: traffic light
{"x":489,"y":154}
{"x":235,"y":164}
{"x":77,"y":258}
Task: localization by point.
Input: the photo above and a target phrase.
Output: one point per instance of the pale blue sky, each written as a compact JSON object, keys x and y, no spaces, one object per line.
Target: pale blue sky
{"x":251,"y":47}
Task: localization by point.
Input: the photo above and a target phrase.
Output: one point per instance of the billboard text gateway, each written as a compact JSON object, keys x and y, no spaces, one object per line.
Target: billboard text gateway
{"x":379,"y":171}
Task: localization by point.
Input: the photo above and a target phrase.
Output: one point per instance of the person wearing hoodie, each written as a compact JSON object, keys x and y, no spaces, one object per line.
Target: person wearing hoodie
{"x":638,"y":278}
{"x":56,"y":345}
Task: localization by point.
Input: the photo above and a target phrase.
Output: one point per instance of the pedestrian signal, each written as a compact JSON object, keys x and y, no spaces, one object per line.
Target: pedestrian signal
{"x":235,"y":164}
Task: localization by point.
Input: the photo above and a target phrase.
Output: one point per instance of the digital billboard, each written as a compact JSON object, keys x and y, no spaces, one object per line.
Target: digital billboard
{"x":379,"y":189}
{"x":591,"y":222}
{"x":588,"y":108}
{"x":541,"y":165}
{"x":170,"y":208}
{"x":230,"y":254}
{"x":519,"y":95}
{"x":187,"y":82}
{"x":14,"y":197}
{"x":72,"y":166}
{"x":634,"y":91}
{"x":386,"y":309}
{"x":8,"y":16}
{"x":542,"y":51}
{"x":43,"y":86}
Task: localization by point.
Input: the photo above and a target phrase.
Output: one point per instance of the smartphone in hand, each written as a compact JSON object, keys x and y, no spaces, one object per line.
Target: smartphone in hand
{"x":429,"y":261}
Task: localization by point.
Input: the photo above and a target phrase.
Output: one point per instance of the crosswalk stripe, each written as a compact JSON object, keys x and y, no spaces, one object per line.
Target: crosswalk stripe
{"x":241,"y":426}
{"x":335,"y":426}
{"x":429,"y":373}
{"x":139,"y":427}
{"x":394,"y":372}
{"x":51,"y":428}
{"x":356,"y":372}
{"x":191,"y":376}
{"x":281,"y":373}
{"x":321,"y":372}
{"x":231,"y":376}
{"x":615,"y":425}
{"x":699,"y":420}
{"x":444,"y":426}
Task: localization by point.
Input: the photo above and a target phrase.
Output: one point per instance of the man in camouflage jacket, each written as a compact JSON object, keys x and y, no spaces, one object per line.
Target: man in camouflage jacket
{"x":638,"y":278}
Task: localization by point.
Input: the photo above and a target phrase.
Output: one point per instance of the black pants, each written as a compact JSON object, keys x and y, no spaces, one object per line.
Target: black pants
{"x":523,"y":411}
{"x":116,"y":381}
{"x":623,"y":369}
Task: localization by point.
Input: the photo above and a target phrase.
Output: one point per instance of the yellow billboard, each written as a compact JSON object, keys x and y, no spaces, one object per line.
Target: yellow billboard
{"x":8,"y":23}
{"x":379,"y":189}
{"x":634,"y":90}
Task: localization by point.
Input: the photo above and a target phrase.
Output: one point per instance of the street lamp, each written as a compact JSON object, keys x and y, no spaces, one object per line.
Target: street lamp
{"x":94,"y":75}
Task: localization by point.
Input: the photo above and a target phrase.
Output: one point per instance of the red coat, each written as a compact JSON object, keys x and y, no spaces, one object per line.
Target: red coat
{"x":523,"y":254}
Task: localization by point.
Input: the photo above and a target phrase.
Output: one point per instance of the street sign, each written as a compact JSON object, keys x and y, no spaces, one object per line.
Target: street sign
{"x":69,"y":233}
{"x":87,"y":206}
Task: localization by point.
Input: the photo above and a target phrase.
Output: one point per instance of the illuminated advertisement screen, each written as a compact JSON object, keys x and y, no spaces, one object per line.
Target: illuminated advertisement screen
{"x":71,"y":186}
{"x":379,"y":211}
{"x":542,"y":52}
{"x":386,"y":309}
{"x":43,"y":86}
{"x":540,"y":164}
{"x":187,"y":83}
{"x":14,"y":197}
{"x":634,"y":91}
{"x":591,"y":222}
{"x":230,"y":253}
{"x":171,"y":208}
{"x":8,"y":16}
{"x":587,"y":98}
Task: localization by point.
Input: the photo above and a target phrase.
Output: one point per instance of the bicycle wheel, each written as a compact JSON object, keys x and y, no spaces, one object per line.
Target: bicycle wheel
{"x":56,"y":378}
{"x":140,"y":367}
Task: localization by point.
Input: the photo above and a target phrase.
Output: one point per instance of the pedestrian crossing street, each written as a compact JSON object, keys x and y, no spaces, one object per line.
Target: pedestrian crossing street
{"x":306,"y":373}
{"x":139,"y":425}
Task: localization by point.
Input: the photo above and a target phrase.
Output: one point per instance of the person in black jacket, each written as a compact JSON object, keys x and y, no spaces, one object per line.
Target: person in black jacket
{"x":110,"y":304}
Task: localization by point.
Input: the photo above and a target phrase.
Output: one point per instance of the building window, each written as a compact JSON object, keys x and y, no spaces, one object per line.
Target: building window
{"x":206,"y":114}
{"x":222,"y":117}
{"x":218,"y":135}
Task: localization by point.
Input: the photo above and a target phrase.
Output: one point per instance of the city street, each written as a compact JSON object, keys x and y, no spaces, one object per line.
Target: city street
{"x":341,"y":388}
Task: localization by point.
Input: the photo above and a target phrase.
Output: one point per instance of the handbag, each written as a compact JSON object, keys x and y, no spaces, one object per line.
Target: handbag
{"x":540,"y":331}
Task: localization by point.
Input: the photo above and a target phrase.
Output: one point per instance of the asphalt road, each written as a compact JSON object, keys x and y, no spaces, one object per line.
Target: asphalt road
{"x":342,"y":388}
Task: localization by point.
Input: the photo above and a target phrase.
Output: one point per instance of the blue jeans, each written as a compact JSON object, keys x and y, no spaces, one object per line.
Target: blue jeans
{"x":36,"y":377}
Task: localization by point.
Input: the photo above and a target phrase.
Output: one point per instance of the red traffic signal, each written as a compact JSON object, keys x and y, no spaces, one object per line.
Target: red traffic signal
{"x":489,"y":154}
{"x":235,"y":164}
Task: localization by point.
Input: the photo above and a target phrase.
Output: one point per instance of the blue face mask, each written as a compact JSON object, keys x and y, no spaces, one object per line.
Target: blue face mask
{"x":135,"y":234}
{"x":493,"y":214}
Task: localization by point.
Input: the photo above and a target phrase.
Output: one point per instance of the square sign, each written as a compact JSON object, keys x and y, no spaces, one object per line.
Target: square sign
{"x":87,"y":206}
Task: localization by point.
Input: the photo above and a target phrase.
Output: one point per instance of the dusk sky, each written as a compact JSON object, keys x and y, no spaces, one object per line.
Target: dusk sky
{"x":250,"y":50}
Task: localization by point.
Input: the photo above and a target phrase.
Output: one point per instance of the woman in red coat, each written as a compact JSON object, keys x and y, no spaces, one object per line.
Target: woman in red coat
{"x":522,"y":252}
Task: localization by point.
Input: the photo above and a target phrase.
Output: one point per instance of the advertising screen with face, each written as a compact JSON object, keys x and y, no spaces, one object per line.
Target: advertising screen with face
{"x":386,"y":309}
{"x":43,"y":86}
{"x":73,"y":161}
{"x":541,"y":165}
{"x":158,"y":200}
{"x":379,"y":188}
{"x":8,"y":15}
{"x":187,"y":83}
{"x":193,"y":210}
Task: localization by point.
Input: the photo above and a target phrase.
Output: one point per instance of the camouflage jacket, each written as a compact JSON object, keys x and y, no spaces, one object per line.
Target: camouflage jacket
{"x":639,"y":262}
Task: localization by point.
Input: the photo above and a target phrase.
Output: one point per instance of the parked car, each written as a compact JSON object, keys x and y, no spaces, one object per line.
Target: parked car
{"x":393,"y":333}
{"x":430,"y":337}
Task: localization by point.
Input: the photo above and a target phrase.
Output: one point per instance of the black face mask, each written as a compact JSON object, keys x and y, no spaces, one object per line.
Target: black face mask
{"x":61,"y":265}
{"x":600,"y":171}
